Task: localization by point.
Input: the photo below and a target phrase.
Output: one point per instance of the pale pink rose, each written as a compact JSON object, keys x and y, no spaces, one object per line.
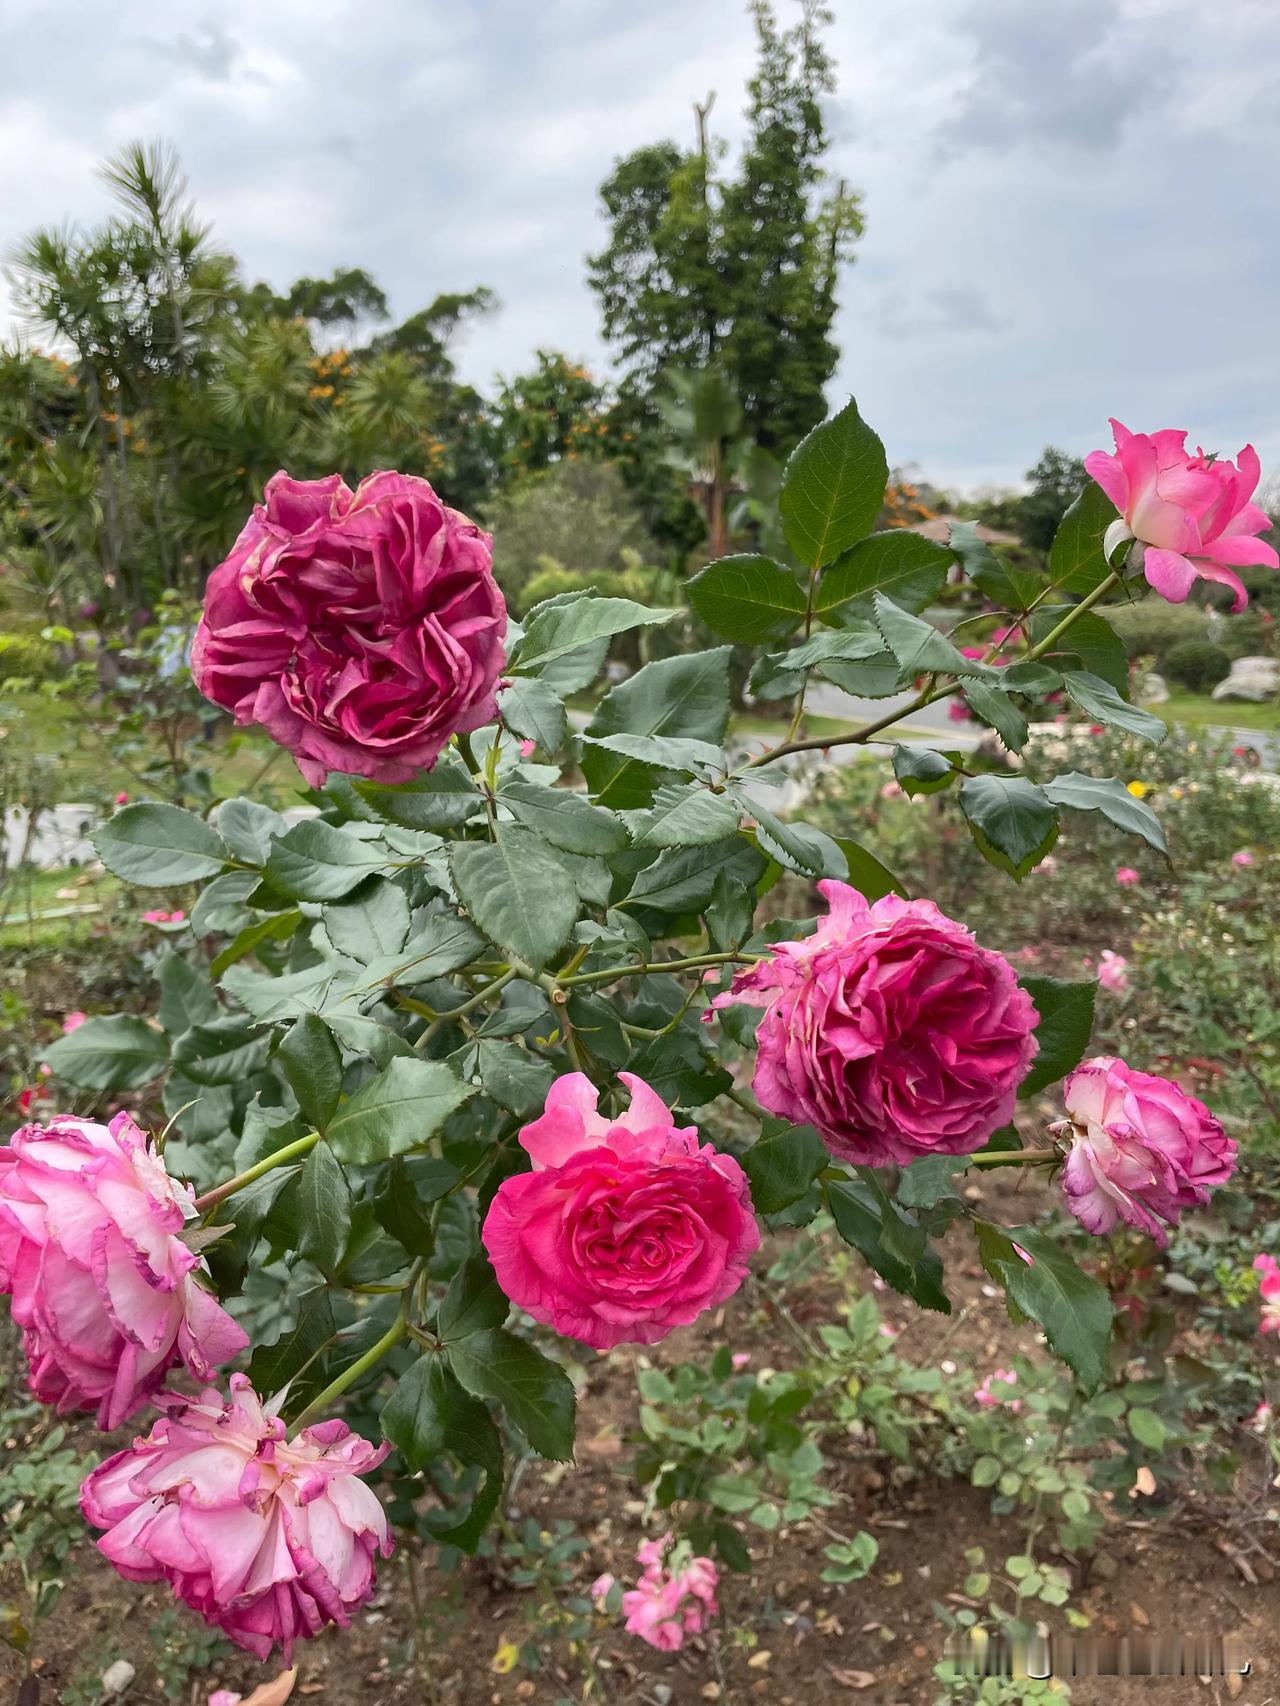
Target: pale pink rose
{"x":362,"y":630}
{"x":1141,"y":1149}
{"x":1191,"y":516}
{"x":72,"y":1022}
{"x":990,"y":1400}
{"x":675,"y":1596}
{"x":1048,"y":865}
{"x":601,"y":1588}
{"x":1243,"y":859}
{"x":1113,"y":972}
{"x":1126,"y":876}
{"x":1269,"y":1287}
{"x":740,"y":1360}
{"x":528,"y":748}
{"x":889,"y":1030}
{"x":625,"y":1228}
{"x":224,"y":1697}
{"x":103,"y":1287}
{"x":268,"y":1538}
{"x":892,"y":790}
{"x":1260,"y":1420}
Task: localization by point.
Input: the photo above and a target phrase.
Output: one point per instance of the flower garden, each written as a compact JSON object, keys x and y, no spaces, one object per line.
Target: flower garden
{"x":600,"y":1207}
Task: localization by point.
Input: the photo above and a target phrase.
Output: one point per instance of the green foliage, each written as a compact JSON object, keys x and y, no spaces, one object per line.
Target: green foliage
{"x":1197,"y":664}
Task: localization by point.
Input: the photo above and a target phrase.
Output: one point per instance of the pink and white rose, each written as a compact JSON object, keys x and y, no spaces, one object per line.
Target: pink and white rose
{"x":268,"y":1538}
{"x":890,"y":1030}
{"x":103,"y":1287}
{"x":1141,"y":1150}
{"x":1268,"y":1271}
{"x":626,"y":1228}
{"x":1192,"y":516}
{"x":361,"y":629}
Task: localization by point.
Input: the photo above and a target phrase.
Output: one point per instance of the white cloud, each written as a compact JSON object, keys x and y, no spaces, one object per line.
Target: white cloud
{"x":1067,"y":210}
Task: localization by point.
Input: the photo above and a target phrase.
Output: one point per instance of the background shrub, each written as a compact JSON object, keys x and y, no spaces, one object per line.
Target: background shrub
{"x":1197,"y":664}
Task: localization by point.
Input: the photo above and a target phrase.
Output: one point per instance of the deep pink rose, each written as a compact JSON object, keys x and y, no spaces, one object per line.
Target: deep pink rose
{"x":103,"y":1286}
{"x":1189,"y":515}
{"x":361,"y":629}
{"x":1127,"y":877}
{"x":1142,"y":1150}
{"x":267,"y":1538}
{"x":890,"y":1030}
{"x":626,"y":1228}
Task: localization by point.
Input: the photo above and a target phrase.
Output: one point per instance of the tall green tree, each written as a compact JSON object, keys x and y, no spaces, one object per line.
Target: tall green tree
{"x":740,"y":271}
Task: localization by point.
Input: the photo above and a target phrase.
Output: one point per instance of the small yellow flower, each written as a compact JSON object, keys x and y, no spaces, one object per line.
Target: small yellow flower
{"x":1139,"y":790}
{"x":505,"y":1659}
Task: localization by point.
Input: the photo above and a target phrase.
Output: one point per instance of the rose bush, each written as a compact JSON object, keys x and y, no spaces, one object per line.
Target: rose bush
{"x":395,"y":1040}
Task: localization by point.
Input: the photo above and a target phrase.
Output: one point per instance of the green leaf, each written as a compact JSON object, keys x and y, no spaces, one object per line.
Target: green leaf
{"x":563,"y":818}
{"x":895,"y":1246}
{"x":223,"y":1051}
{"x":403,"y":1206}
{"x":918,"y":646}
{"x":906,"y":567}
{"x":536,"y":1393}
{"x":249,"y":829}
{"x":1008,"y":587}
{"x":400,"y":1109}
{"x":748,"y":599}
{"x":1066,"y":1023}
{"x":664,"y":752}
{"x":832,"y":488}
{"x":1013,"y":823}
{"x":683,"y":879}
{"x":314,"y":861}
{"x":273,"y":1366}
{"x":683,"y":696}
{"x":922,"y":769}
{"x":1100,"y":699}
{"x":799,"y":846}
{"x":1033,"y":678}
{"x":275,"y":927}
{"x":1090,"y":638}
{"x":683,"y":815}
{"x":729,"y":912}
{"x":474,"y":1302}
{"x":1076,"y":561}
{"x":373,"y":922}
{"x":118,"y":1052}
{"x":989,"y":701}
{"x":1147,"y":1428}
{"x":324,"y":1209}
{"x":515,"y":890}
{"x":442,"y":799}
{"x":429,"y":1413}
{"x":929,"y":1181}
{"x":514,"y":1078}
{"x":782,"y":1167}
{"x":312,"y":1063}
{"x":555,"y":630}
{"x":534,"y":711}
{"x":1108,"y":795}
{"x":867,"y":874}
{"x":159,"y":846}
{"x":1074,"y":1310}
{"x":185,"y":996}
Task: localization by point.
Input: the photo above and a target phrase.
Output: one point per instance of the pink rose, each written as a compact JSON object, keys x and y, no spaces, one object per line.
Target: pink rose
{"x":990,"y":1400}
{"x":890,"y":1030}
{"x":122,"y":799}
{"x":958,"y":710}
{"x":1113,"y":972}
{"x":1243,"y":859}
{"x":1126,"y":876}
{"x":361,"y":629}
{"x":528,"y":748}
{"x":674,"y":1597}
{"x":625,"y":1228}
{"x":103,"y":1286}
{"x":72,"y":1022}
{"x":1191,"y":516}
{"x":1269,"y":1287}
{"x":266,"y":1537}
{"x":1142,"y":1150}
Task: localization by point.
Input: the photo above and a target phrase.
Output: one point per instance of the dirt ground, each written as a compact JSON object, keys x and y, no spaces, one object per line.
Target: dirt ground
{"x":874,"y":1642}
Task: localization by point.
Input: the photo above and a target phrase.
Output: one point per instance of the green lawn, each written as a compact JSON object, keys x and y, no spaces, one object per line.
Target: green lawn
{"x":1198,"y":710}
{"x":53,"y":909}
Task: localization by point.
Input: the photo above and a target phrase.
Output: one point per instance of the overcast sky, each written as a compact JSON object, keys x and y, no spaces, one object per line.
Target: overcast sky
{"x":1071,"y":204}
